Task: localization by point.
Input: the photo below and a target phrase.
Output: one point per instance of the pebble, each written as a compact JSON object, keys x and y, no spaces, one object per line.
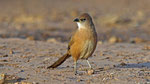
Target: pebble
{"x":90,"y":72}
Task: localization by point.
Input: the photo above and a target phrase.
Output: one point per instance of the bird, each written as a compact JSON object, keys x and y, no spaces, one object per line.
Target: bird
{"x":82,"y":43}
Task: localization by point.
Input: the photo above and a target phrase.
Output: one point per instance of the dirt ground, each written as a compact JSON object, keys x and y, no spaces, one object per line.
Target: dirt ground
{"x":35,"y":33}
{"x":121,"y":63}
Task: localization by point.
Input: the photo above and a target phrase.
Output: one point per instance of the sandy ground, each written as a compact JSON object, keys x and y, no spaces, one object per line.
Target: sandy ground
{"x":35,"y":33}
{"x":121,"y":63}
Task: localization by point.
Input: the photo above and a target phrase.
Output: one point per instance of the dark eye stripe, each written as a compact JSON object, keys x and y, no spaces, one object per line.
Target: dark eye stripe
{"x":82,"y":19}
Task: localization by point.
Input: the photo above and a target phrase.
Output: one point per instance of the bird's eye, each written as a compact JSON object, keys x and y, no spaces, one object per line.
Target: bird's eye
{"x":82,"y":19}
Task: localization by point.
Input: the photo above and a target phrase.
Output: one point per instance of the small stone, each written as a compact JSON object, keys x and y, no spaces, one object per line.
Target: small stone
{"x":137,"y":40}
{"x":123,"y":64}
{"x":107,"y":58}
{"x":52,"y":40}
{"x":4,"y":60}
{"x":114,"y":39}
{"x":2,"y":78}
{"x":78,"y":80}
{"x":30,"y":38}
{"x":35,"y":83}
{"x":5,"y":56}
{"x":114,"y":65}
{"x":102,"y":54}
{"x":90,"y":72}
{"x":101,"y":69}
{"x":11,"y":52}
{"x":146,"y":47}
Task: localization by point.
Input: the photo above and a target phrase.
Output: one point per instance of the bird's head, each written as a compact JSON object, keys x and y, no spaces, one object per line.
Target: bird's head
{"x":84,"y":21}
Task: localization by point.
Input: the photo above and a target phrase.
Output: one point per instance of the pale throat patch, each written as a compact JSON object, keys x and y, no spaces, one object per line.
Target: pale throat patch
{"x":80,"y":25}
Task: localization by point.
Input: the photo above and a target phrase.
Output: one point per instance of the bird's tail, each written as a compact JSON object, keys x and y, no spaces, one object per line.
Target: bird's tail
{"x":59,"y":61}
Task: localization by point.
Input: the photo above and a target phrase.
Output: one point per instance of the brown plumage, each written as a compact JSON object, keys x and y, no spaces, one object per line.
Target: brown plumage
{"x":82,"y":43}
{"x":60,"y":61}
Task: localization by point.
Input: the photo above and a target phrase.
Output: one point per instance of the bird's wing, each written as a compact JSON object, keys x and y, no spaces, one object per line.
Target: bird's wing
{"x":71,"y":41}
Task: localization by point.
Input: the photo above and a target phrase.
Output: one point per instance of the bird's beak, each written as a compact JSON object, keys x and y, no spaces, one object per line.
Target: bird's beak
{"x":76,"y":20}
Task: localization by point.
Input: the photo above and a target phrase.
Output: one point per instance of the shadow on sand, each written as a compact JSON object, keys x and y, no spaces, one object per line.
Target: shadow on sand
{"x":139,"y":65}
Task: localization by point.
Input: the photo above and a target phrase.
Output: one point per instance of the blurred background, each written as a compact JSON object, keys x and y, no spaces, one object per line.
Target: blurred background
{"x":52,"y":20}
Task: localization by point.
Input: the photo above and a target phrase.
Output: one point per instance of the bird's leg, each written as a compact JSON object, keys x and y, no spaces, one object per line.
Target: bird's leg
{"x":89,"y":64}
{"x":75,"y":67}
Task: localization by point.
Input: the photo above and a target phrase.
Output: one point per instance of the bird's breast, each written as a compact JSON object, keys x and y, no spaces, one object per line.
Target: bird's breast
{"x":84,"y":43}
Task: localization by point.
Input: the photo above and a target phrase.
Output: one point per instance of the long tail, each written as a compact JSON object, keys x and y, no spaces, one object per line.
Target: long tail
{"x":59,"y":61}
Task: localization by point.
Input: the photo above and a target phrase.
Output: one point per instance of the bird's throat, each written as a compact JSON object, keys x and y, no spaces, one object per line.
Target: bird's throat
{"x":80,"y":26}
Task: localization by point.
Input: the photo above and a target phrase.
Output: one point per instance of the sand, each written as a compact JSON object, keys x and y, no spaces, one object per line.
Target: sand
{"x":26,"y":61}
{"x":35,"y":33}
